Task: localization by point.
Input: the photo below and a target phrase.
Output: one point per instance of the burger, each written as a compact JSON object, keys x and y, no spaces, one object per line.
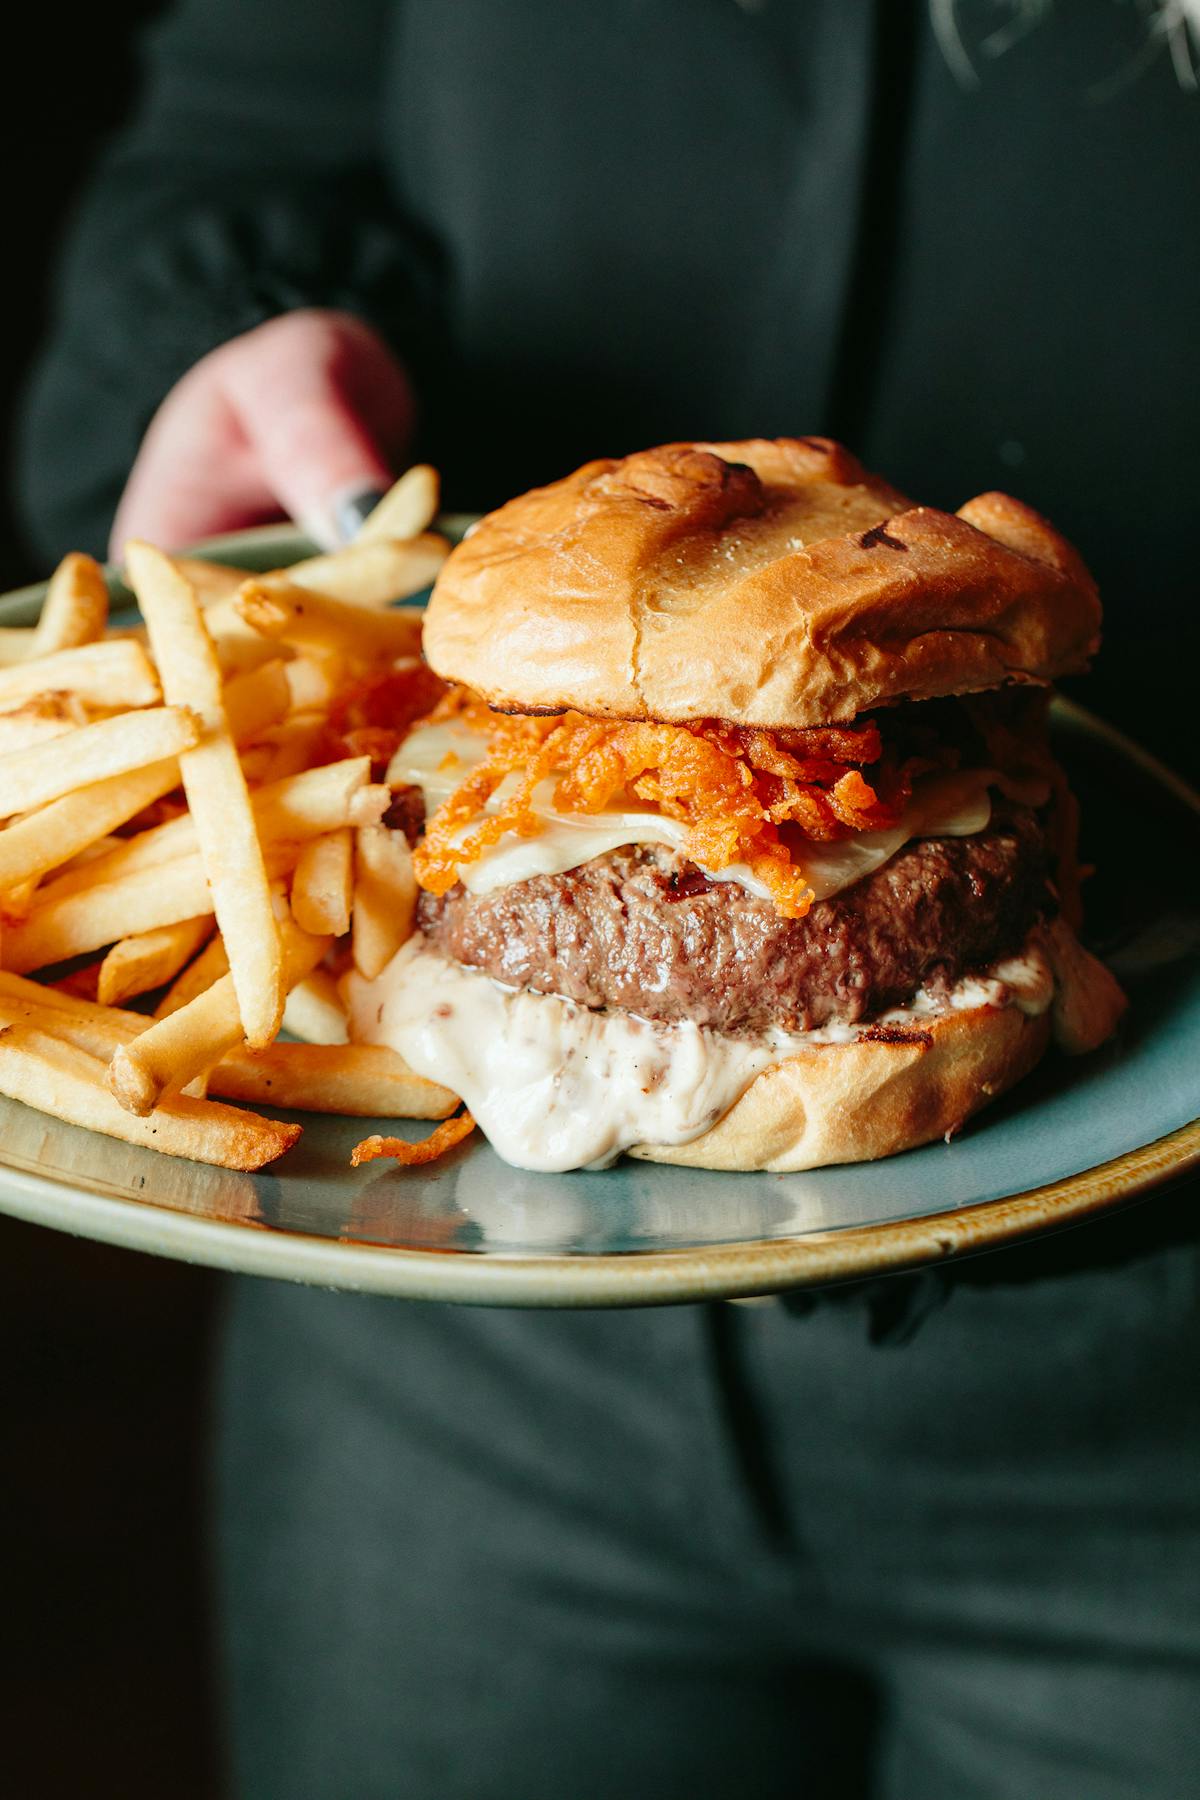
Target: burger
{"x":739,"y":838}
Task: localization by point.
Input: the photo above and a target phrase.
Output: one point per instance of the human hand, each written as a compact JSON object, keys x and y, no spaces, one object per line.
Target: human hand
{"x":288,"y":419}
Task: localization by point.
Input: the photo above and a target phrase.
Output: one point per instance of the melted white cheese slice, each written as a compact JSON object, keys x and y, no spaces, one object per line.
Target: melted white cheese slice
{"x":438,"y":758}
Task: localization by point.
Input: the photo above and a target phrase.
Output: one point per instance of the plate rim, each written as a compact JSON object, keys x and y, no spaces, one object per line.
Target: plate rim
{"x":631,"y":1278}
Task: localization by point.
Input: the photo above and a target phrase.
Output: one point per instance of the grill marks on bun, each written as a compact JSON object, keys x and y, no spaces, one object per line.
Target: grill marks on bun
{"x":774,"y":582}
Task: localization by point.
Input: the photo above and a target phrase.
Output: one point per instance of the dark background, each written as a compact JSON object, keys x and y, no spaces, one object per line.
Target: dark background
{"x":104,"y":1676}
{"x":103,"y":1354}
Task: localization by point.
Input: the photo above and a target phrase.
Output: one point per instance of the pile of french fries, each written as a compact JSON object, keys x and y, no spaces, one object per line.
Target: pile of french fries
{"x":170,"y":828}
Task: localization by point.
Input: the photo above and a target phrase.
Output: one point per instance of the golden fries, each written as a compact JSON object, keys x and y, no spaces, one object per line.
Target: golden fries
{"x":318,"y":622}
{"x":385,"y":898}
{"x":286,"y":749}
{"x":216,"y":790}
{"x":323,"y":883}
{"x":407,"y":509}
{"x":96,"y":913}
{"x":75,"y":1019}
{"x":212,"y":581}
{"x":369,"y":574}
{"x":186,"y":1043}
{"x":135,"y":965}
{"x":314,"y":680}
{"x":366,"y":1081}
{"x":96,"y":673}
{"x":16,"y":641}
{"x":292,"y":810}
{"x":75,"y":609}
{"x":59,"y":1079}
{"x":43,"y":772}
{"x":314,"y":1010}
{"x":165,"y":811}
{"x":46,"y":839}
{"x":257,"y":699}
{"x":200,"y":974}
{"x":34,"y":723}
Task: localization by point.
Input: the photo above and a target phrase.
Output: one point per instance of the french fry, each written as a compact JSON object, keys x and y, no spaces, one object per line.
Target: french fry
{"x":314,"y":1011}
{"x":212,"y":581}
{"x":256,"y":699}
{"x":33,"y":723}
{"x":70,"y":826}
{"x":135,"y":965}
{"x":366,"y":1081}
{"x":361,"y":1080}
{"x":385,"y":898}
{"x":314,"y":680}
{"x":292,"y":810}
{"x":323,"y":883}
{"x":97,"y":913}
{"x":16,"y":902}
{"x":16,"y":641}
{"x":407,"y":509}
{"x":216,"y":791}
{"x":369,"y":574}
{"x":57,"y":1078}
{"x":314,"y":620}
{"x":81,"y":981}
{"x":240,"y":652}
{"x":239,"y":648}
{"x":101,"y":847}
{"x":44,"y":772}
{"x":75,"y":610}
{"x":369,"y":804}
{"x":200,"y":974}
{"x":64,"y":1014}
{"x":286,"y":749}
{"x":154,"y":732}
{"x":184,"y":1044}
{"x":94,"y":672}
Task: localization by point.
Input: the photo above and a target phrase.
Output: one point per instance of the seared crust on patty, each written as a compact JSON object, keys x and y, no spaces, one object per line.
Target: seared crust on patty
{"x":642,"y":929}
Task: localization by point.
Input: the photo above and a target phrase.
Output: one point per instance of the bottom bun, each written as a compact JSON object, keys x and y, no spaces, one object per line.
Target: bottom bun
{"x":842,"y":1103}
{"x":883,"y":1093}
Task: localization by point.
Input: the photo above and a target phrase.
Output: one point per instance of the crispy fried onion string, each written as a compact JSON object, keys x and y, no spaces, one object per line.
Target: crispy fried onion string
{"x":734,"y":787}
{"x":443,"y":1137}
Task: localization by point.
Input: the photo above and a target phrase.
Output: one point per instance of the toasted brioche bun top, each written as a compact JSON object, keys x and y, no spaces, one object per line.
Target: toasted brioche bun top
{"x":769,"y":582}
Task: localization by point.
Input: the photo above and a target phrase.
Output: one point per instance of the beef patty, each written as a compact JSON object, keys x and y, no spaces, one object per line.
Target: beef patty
{"x":645,"y":930}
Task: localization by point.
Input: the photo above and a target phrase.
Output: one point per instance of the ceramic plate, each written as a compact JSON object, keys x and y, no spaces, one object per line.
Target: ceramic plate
{"x":1076,"y":1138}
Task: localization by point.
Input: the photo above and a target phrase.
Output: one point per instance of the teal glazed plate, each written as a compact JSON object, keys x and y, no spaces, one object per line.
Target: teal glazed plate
{"x":1077,"y":1137}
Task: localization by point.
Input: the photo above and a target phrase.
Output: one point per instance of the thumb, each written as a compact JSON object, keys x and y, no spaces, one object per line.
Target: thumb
{"x":296,"y":393}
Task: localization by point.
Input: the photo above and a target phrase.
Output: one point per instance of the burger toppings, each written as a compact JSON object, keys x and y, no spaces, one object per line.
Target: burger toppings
{"x":442,"y":1138}
{"x":745,"y":797}
{"x":792,"y":817}
{"x":372,"y":716}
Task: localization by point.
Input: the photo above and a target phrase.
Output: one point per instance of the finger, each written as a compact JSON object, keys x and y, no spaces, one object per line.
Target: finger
{"x":195,"y":476}
{"x":297,"y":400}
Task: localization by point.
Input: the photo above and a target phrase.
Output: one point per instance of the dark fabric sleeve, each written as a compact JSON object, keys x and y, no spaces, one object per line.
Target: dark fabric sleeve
{"x":249,"y":183}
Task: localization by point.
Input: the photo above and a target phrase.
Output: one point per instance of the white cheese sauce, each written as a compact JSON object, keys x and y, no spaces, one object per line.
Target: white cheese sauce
{"x":554,"y":1086}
